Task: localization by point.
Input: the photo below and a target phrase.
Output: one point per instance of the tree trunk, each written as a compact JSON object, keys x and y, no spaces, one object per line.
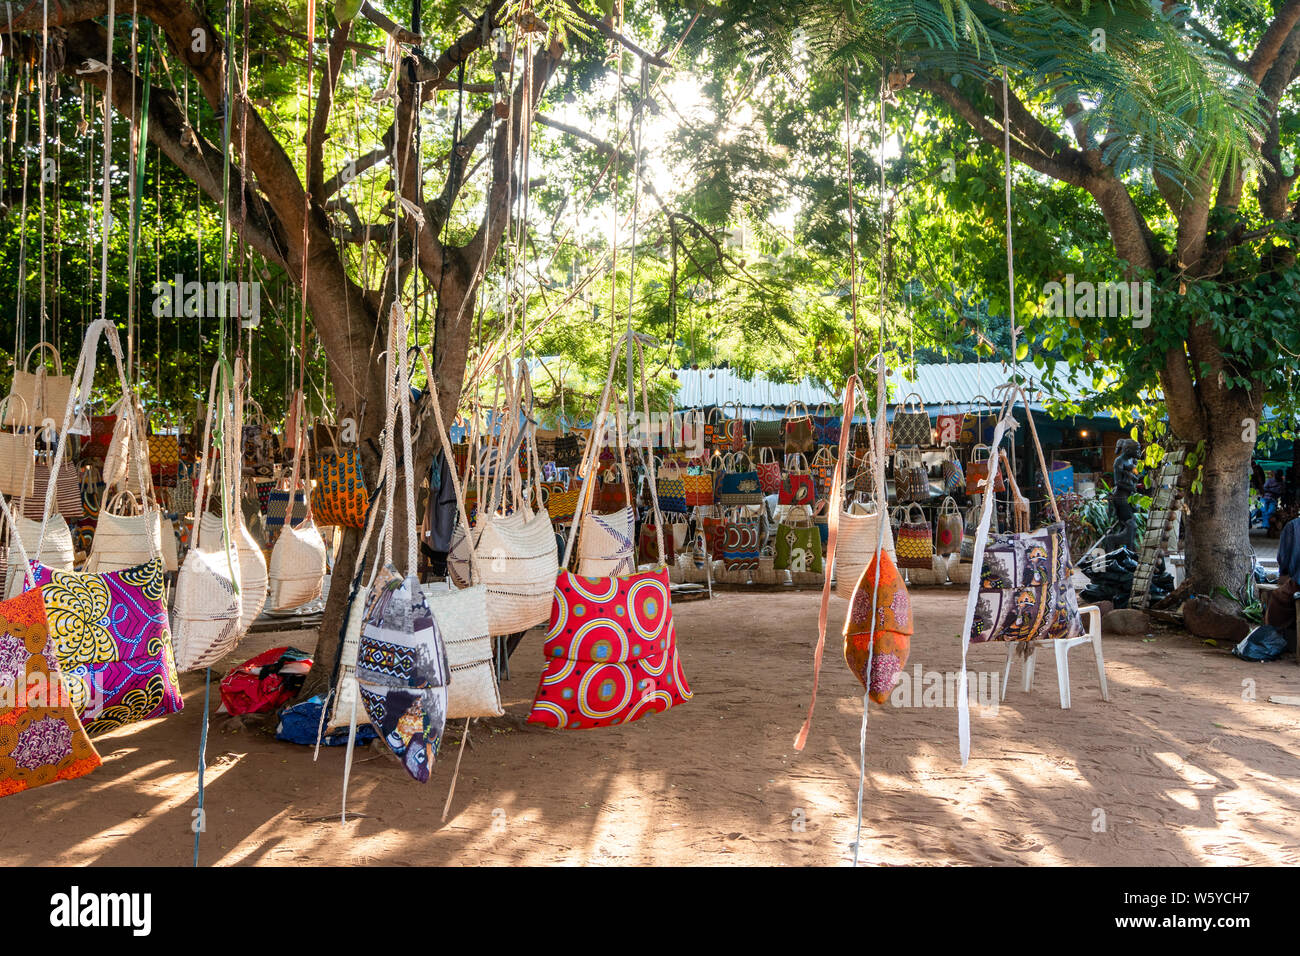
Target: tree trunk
{"x":1218,"y":540}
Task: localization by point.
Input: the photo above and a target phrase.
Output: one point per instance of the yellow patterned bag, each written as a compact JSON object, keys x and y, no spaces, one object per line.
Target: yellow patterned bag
{"x":340,"y":496}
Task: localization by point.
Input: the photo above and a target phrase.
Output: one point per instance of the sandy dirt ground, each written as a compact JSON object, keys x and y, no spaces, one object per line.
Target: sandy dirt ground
{"x":1189,"y":763}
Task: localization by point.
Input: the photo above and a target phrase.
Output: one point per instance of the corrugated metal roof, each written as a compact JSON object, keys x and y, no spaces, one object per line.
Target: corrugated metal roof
{"x":701,"y":388}
{"x":950,"y":384}
{"x":946,"y":386}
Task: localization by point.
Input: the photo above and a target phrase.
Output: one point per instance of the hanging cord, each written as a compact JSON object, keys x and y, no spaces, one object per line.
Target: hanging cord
{"x":853,"y":223}
{"x":107,"y":166}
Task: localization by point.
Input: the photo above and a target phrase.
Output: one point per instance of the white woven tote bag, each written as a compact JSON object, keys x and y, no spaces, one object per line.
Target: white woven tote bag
{"x":462,"y":613}
{"x":297,"y":570}
{"x":516,"y":550}
{"x":56,"y":552}
{"x":206,"y":615}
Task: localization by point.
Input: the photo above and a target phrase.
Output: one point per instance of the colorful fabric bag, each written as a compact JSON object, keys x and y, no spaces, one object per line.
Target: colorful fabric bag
{"x":798,"y":546}
{"x":113,"y":644}
{"x":911,"y":424}
{"x":1025,"y":591}
{"x":800,"y":437}
{"x":797,"y":487}
{"x":672,"y":489}
{"x":876,"y":646}
{"x":977,"y":472}
{"x":823,"y":472}
{"x":949,"y":528}
{"x":826,"y":426}
{"x":911,"y":480}
{"x":738,"y":483}
{"x":915,"y":542}
{"x":952,"y":474}
{"x":41,"y":738}
{"x":740,"y":542}
{"x":769,"y":471}
{"x":340,"y":497}
{"x":766,"y":432}
{"x":611,"y":652}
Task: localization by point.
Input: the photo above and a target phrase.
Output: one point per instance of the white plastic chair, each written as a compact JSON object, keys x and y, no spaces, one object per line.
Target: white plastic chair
{"x":1092,"y":614}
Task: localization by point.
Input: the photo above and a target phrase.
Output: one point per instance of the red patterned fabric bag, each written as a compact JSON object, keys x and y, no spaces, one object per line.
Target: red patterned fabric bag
{"x":611,"y":652}
{"x":41,"y":739}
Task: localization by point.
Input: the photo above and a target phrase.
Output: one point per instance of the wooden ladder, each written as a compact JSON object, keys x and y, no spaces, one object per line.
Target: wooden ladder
{"x":1160,"y":523}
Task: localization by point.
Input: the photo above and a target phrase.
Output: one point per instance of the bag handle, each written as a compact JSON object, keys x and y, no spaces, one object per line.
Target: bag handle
{"x":916,"y":506}
{"x":769,"y":453}
{"x":975,"y":454}
{"x":792,"y":410}
{"x":38,"y":347}
{"x":798,"y":464}
{"x":835,"y":506}
{"x":431,"y":389}
{"x":83,"y":381}
{"x":16,"y":541}
{"x":628,"y":340}
{"x":949,"y":506}
{"x":916,"y":406}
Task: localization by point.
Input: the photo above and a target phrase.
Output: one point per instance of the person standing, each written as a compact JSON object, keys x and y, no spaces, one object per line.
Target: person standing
{"x":1280,"y":609}
{"x":1272,"y":492}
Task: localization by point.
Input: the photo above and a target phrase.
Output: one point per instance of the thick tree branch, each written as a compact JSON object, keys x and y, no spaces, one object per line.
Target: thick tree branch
{"x":324,"y":103}
{"x":1261,"y":61}
{"x":200,"y":160}
{"x":1067,"y":164}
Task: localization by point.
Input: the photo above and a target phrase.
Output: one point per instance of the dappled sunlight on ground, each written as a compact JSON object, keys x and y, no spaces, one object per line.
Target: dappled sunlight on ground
{"x":1179,"y":768}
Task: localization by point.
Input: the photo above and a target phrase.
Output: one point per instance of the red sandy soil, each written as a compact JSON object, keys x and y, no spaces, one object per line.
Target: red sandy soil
{"x":1184,"y":766}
